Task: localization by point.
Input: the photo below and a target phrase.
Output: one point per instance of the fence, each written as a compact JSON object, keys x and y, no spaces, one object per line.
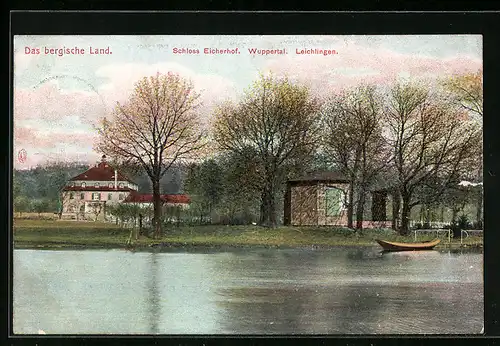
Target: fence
{"x":431,"y":224}
{"x":448,"y":232}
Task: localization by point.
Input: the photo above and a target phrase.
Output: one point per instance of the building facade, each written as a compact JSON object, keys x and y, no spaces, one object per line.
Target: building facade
{"x":146,"y":200}
{"x":321,"y":199}
{"x":86,"y":196}
{"x":316,"y":200}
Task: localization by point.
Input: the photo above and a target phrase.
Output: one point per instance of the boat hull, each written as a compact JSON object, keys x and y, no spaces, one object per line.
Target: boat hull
{"x":395,"y":246}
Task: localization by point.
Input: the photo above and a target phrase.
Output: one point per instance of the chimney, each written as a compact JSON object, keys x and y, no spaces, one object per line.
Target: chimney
{"x":102,"y":164}
{"x":116,"y":179}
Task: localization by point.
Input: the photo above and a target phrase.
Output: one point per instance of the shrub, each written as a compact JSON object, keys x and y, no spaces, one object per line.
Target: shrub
{"x":463,"y":222}
{"x":477,"y":225}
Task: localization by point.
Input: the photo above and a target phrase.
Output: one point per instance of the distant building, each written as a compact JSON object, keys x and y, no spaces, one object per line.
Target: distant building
{"x":177,"y":200}
{"x":86,"y":196}
{"x":317,"y":199}
{"x":321,"y":198}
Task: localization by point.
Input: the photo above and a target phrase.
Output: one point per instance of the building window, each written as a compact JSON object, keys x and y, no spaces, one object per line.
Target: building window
{"x":96,"y":196}
{"x":82,"y":195}
{"x":110,"y":185}
{"x":110,"y":196}
{"x":120,"y":196}
{"x":71,"y":195}
{"x":83,"y":184}
{"x":334,"y":200}
{"x":121,"y":185}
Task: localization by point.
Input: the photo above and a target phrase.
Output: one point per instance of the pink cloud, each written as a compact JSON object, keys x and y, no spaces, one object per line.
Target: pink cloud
{"x":48,"y":103}
{"x":354,"y":65}
{"x":48,"y":118}
{"x":39,"y":112}
{"x":122,"y":77}
{"x":41,"y":147}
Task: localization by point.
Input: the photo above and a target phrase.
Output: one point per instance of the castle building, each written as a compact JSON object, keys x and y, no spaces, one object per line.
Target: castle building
{"x":86,"y":195}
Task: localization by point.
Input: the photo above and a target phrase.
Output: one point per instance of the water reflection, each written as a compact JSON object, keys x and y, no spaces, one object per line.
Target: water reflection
{"x":258,"y":291}
{"x":153,"y":299}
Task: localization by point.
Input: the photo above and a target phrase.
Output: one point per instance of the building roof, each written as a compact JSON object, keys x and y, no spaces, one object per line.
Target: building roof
{"x":135,"y":197}
{"x":101,"y":172}
{"x":94,"y":188}
{"x":330,"y":176}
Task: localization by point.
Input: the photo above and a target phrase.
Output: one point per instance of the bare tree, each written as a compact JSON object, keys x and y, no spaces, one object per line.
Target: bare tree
{"x":276,"y":122}
{"x":431,"y":140}
{"x":353,"y":141}
{"x":467,"y":91}
{"x":96,"y":209}
{"x":158,"y":126}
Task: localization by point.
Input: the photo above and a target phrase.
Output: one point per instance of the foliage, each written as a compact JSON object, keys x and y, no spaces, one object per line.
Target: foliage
{"x":22,"y":205}
{"x":158,"y":126}
{"x":274,"y":127}
{"x":125,"y":212}
{"x":467,"y":91}
{"x":205,"y":186}
{"x":352,"y":138}
{"x":431,"y":143}
{"x":463,"y":222}
{"x":41,"y":206}
{"x":45,"y":181}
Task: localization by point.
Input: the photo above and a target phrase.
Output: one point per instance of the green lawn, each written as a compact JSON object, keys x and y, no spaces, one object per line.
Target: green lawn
{"x":51,"y":233}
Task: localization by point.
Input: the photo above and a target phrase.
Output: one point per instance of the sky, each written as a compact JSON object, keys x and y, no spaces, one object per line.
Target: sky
{"x":59,"y":99}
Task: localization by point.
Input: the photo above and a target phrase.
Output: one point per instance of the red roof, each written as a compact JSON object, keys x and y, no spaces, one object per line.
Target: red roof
{"x":102,"y":172}
{"x":135,"y":197}
{"x":93,"y":188}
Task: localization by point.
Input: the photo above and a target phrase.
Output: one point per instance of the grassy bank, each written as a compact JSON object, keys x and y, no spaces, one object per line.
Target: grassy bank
{"x":70,"y":234}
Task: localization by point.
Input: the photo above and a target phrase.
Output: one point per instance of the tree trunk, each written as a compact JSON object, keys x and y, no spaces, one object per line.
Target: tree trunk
{"x":263,"y":207}
{"x":268,"y":206}
{"x":421,"y":213}
{"x":140,"y":224}
{"x":157,"y":208}
{"x":454,"y":212}
{"x":405,"y":214}
{"x":479,"y":211}
{"x":427,"y":216}
{"x":350,"y":204}
{"x":396,"y":205}
{"x":360,"y":208}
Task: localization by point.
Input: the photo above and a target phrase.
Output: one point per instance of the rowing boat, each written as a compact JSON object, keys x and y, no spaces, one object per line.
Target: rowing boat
{"x":395,"y":246}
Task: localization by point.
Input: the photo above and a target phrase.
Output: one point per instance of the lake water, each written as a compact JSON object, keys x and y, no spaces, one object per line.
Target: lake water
{"x":247,"y":291}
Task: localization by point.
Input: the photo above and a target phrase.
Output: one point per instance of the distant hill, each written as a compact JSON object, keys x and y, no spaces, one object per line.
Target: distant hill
{"x":171,"y":183}
{"x":45,"y":182}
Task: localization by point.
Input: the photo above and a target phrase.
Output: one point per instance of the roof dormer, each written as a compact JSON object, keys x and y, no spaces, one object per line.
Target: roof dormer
{"x":103,"y":163}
